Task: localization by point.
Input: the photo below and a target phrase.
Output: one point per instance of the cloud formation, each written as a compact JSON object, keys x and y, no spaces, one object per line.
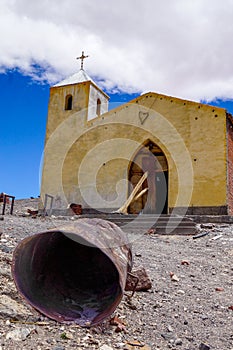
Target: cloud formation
{"x":181,"y":48}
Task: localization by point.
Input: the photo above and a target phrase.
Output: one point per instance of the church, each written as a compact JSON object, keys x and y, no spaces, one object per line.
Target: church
{"x":95,"y":155}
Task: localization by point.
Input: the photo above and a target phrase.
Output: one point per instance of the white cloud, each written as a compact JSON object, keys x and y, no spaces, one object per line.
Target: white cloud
{"x":177,"y":47}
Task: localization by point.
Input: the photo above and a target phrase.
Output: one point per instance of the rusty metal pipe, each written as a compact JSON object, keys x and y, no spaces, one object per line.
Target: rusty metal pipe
{"x":75,"y":273}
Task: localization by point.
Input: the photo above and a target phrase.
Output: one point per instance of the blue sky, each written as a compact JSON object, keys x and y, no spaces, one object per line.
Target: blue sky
{"x":178,"y":48}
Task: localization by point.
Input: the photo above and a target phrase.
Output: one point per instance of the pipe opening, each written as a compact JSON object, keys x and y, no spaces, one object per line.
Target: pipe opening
{"x":66,"y":280}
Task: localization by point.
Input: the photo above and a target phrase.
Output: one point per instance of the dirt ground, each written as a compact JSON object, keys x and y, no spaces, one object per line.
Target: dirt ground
{"x":189,"y":307}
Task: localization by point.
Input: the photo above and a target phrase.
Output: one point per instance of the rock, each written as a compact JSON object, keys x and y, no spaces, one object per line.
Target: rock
{"x":11,"y":308}
{"x":178,"y":341}
{"x":5,"y":249}
{"x":18,"y":334}
{"x":5,"y":272}
{"x":204,"y":347}
{"x":59,"y":348}
{"x":168,"y":336}
{"x":174,"y":277}
{"x":144,"y":282}
{"x":180,"y":291}
{"x":207,"y":226}
{"x":170,"y":329}
{"x":105,"y":347}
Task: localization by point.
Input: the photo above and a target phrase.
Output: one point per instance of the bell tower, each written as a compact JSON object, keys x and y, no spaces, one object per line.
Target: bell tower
{"x":72,"y":103}
{"x":77,"y":93}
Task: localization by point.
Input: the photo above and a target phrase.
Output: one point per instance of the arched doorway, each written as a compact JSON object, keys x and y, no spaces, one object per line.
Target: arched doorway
{"x":150,"y":158}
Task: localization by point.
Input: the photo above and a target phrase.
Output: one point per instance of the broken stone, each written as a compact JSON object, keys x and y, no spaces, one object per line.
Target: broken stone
{"x":144,"y":282}
{"x":151,"y":231}
{"x":204,"y":347}
{"x":170,"y":329}
{"x":134,"y":343}
{"x":178,"y":341}
{"x":174,"y":277}
{"x":105,"y":347}
{"x":168,"y":336}
{"x":207,"y":226}
{"x":11,"y":308}
{"x":18,"y":334}
{"x":5,"y":272}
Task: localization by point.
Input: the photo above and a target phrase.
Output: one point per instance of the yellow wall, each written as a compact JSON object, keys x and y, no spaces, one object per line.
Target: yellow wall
{"x":95,"y":155}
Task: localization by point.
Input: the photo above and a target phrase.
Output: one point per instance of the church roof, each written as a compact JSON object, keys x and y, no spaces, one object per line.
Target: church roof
{"x":79,"y":77}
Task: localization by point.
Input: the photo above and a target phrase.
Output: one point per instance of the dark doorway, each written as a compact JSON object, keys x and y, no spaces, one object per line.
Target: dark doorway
{"x":150,"y":158}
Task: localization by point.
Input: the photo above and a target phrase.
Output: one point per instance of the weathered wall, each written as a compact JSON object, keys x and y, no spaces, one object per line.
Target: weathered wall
{"x":230,"y":165}
{"x":191,"y":135}
{"x":94,"y":95}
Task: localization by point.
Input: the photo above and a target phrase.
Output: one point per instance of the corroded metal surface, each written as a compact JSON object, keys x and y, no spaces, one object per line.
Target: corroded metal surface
{"x":75,"y":273}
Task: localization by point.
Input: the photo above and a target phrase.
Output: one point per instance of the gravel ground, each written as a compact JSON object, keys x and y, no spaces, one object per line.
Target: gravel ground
{"x":189,"y":307}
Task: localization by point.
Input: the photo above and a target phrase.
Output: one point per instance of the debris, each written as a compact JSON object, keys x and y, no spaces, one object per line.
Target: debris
{"x":18,"y":334}
{"x":136,"y":345}
{"x":67,"y":335}
{"x":105,"y":347}
{"x":120,"y":328}
{"x":219,"y":289}
{"x":134,"y":196}
{"x":115,"y":321}
{"x":5,"y":272}
{"x":11,"y":308}
{"x":180,"y":291}
{"x":144,"y":282}
{"x":168,"y":336}
{"x":151,"y":231}
{"x":208,"y":226}
{"x":185,"y":262}
{"x":204,"y":347}
{"x":201,"y":235}
{"x":169,"y":328}
{"x":2,"y":197}
{"x":178,"y":341}
{"x":174,"y":277}
{"x":5,"y":199}
{"x":230,"y":307}
{"x":107,"y":264}
{"x":216,"y":237}
{"x":76,"y":208}
{"x":32,"y":212}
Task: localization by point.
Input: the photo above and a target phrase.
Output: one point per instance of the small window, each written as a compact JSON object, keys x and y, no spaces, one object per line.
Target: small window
{"x":98,"y":107}
{"x":68,"y":102}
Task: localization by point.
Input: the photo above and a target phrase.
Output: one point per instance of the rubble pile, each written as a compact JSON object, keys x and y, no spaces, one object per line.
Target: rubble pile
{"x":189,"y":307}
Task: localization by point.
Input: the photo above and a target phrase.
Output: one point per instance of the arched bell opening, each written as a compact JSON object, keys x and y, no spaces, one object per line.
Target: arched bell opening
{"x":149,"y":158}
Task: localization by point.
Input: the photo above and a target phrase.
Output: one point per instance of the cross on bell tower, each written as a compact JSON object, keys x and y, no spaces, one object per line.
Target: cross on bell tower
{"x":82,"y":58}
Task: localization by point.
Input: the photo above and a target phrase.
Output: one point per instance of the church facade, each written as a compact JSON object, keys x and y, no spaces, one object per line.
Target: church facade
{"x":94,"y":156}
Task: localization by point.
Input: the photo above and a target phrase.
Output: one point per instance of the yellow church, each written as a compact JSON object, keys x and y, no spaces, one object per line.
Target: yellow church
{"x":95,"y":155}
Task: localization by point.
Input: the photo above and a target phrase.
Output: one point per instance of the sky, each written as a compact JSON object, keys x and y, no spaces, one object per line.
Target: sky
{"x":181,"y":48}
